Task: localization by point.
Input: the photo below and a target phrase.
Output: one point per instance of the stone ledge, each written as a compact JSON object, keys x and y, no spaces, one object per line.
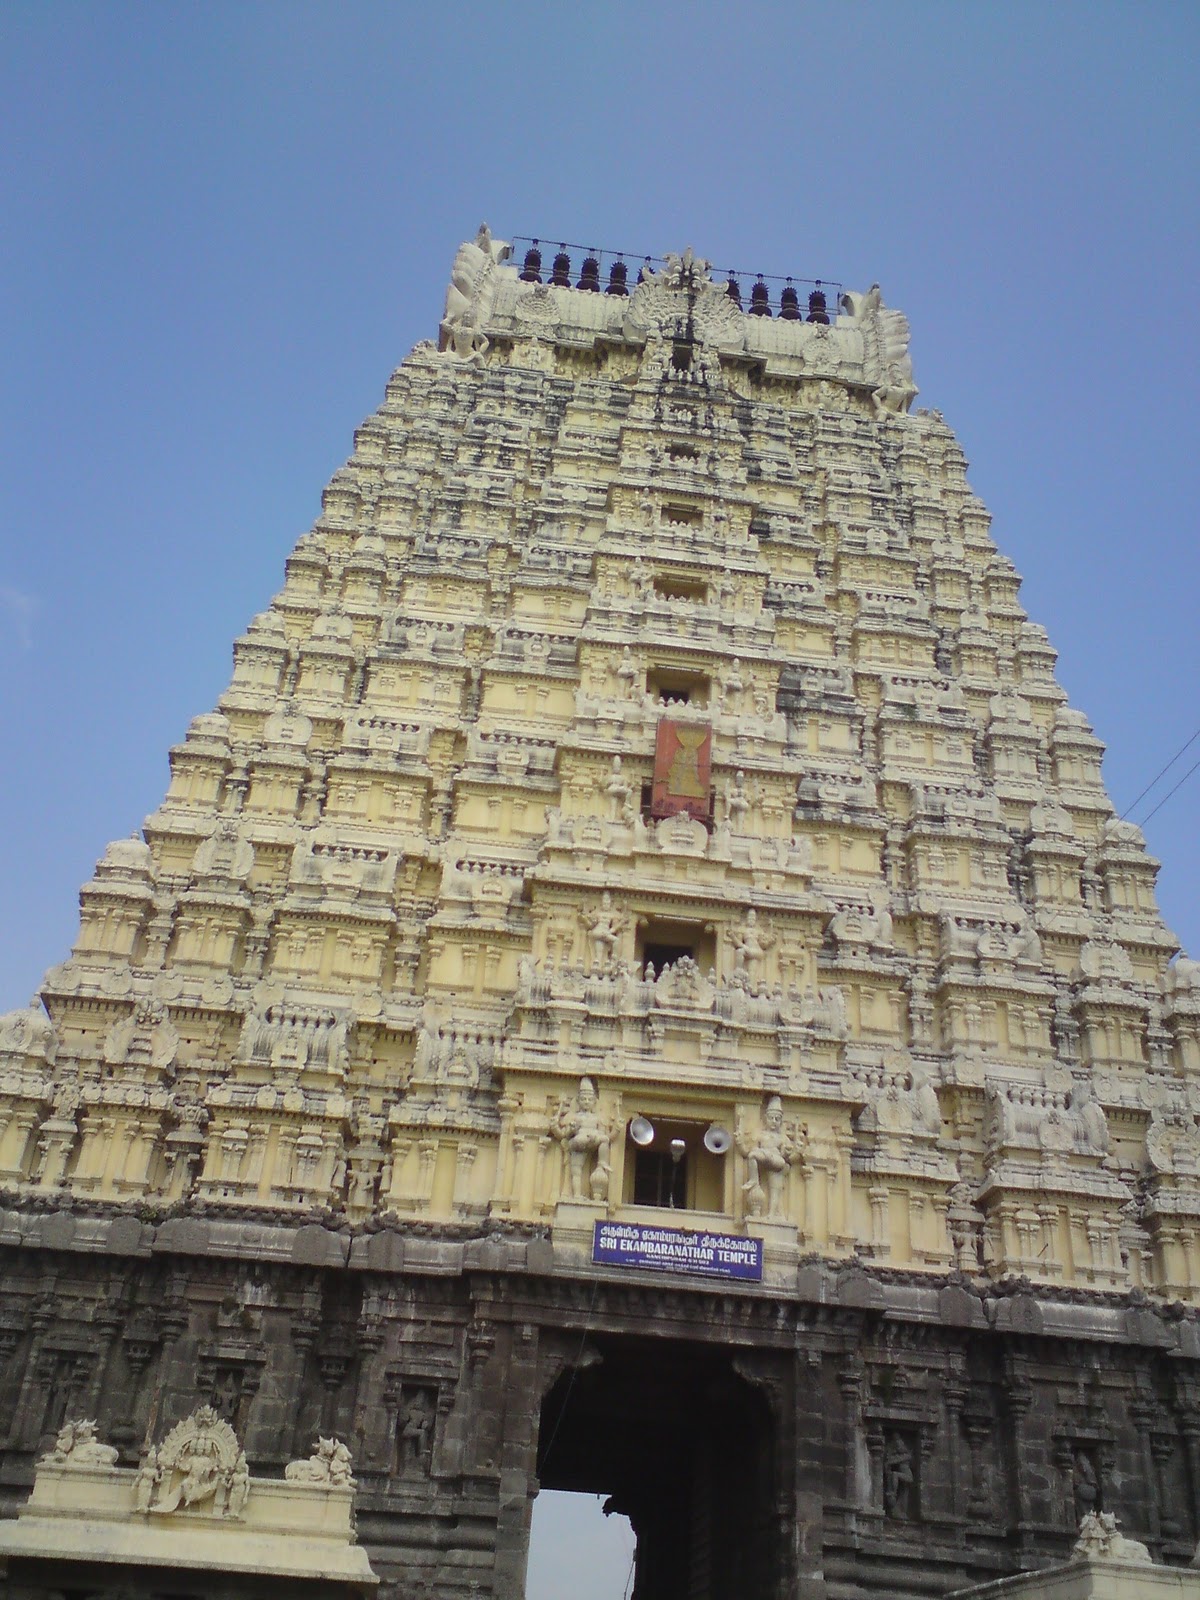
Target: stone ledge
{"x":1091,"y":1580}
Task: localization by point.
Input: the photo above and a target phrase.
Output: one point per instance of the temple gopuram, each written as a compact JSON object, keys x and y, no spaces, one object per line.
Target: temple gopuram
{"x":638,"y":987}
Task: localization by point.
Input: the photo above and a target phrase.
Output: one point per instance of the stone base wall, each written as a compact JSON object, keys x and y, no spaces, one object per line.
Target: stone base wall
{"x":912,"y":1437}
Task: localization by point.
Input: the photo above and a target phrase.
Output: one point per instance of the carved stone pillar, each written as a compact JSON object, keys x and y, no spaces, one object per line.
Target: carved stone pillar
{"x":954,"y":1395}
{"x":1019,"y":1399}
{"x":517,"y":1457}
{"x":1164,"y":1522}
{"x":366,"y":1426}
{"x":1144,"y":1415}
{"x":876,"y":1441}
{"x":880,"y":1237}
{"x":850,"y":1386}
{"x":1187,"y":1408}
{"x":980,"y":1499}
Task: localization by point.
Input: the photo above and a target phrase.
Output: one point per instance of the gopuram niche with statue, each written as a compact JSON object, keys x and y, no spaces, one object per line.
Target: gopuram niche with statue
{"x":637,"y":988}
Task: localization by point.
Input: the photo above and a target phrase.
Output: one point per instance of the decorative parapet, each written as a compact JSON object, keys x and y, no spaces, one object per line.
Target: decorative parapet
{"x":191,"y":1506}
{"x":866,"y":343}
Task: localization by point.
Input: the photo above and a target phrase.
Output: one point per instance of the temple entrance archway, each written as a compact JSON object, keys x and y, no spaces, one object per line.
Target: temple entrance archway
{"x":682,"y":1446}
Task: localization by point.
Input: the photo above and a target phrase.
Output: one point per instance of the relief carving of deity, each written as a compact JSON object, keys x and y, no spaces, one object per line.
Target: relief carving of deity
{"x":586,"y":1139}
{"x":769,"y":1152}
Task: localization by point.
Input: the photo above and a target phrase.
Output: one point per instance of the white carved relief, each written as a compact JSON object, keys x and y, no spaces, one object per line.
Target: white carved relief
{"x":471,"y":293}
{"x":586,"y":1140}
{"x":200,"y":1467}
{"x":28,"y":1035}
{"x":77,"y":1446}
{"x":1100,"y":1540}
{"x":768,"y":1152}
{"x":329,"y":1465}
{"x":886,"y":359}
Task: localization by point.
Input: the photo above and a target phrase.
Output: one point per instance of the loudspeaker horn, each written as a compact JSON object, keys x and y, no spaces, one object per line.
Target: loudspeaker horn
{"x":717,"y":1139}
{"x":641,"y":1131}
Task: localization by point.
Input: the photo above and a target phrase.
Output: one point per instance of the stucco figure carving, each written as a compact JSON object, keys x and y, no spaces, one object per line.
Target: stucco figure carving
{"x":1173,"y":1140}
{"x":146,"y":1481}
{"x":886,"y":335}
{"x":768,"y":1152}
{"x":1101,"y":1540}
{"x":471,"y":294}
{"x":78,"y":1446}
{"x":605,"y":924}
{"x":751,"y":943}
{"x":1029,"y":1117}
{"x":681,"y":289}
{"x":28,"y":1033}
{"x":200,"y":1467}
{"x":586,"y":1139}
{"x":329,"y":1464}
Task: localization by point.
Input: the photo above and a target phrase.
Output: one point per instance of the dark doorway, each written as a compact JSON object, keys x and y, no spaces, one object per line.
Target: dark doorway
{"x":681,"y":1446}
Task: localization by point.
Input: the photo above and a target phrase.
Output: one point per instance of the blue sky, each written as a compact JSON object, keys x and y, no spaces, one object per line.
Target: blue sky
{"x":225,"y":224}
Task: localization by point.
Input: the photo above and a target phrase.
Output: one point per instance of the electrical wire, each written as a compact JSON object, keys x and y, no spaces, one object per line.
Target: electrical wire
{"x":1168,"y":794}
{"x":1160,"y":774}
{"x":629,"y":1575}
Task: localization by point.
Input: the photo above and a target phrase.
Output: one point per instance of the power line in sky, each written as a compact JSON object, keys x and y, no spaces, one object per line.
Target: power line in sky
{"x":1160,"y":774}
{"x":1195,"y":767}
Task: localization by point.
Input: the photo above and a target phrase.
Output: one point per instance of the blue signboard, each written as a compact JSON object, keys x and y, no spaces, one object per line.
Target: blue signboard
{"x":718,"y":1255}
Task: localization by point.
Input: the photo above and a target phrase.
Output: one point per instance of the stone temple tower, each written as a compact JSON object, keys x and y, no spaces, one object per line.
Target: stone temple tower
{"x":638,"y":987}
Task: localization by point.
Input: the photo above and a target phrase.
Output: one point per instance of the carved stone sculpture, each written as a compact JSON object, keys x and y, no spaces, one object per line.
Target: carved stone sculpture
{"x":328,"y":1464}
{"x":604,"y":926}
{"x":1101,"y":1540}
{"x":1085,"y":1485}
{"x":750,"y":946}
{"x":146,"y":1480}
{"x":415,"y":1430}
{"x":586,"y":1139}
{"x":471,"y":293}
{"x":200,"y":1463}
{"x":769,"y":1152}
{"x":78,"y":1446}
{"x":899,"y":1477}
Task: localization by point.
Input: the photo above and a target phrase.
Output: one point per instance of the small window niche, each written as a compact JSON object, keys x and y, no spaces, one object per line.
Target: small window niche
{"x":663,"y":943}
{"x":678,"y":687}
{"x":675,"y":1171}
{"x":675,"y":586}
{"x":683,"y":516}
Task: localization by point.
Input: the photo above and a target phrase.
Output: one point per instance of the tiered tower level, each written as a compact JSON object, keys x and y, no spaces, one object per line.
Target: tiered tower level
{"x":648,"y":729}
